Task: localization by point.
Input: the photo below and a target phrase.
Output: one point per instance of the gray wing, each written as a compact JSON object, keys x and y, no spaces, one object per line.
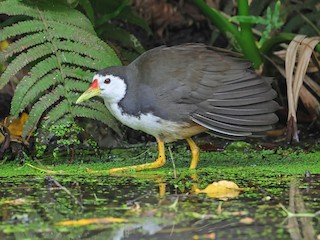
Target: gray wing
{"x":211,"y":87}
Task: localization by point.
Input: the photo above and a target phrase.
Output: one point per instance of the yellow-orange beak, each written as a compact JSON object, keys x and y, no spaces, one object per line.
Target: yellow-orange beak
{"x":92,"y":91}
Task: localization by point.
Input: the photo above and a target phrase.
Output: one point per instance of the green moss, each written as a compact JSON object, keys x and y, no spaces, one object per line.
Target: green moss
{"x":230,"y":162}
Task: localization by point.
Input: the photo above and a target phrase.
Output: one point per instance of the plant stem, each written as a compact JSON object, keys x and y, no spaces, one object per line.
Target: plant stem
{"x":285,"y":37}
{"x":270,"y":43}
{"x":291,"y":214}
{"x":246,"y":39}
{"x":216,"y":18}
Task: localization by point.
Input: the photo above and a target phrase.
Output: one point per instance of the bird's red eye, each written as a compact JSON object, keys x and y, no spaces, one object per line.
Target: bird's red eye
{"x":107,"y":81}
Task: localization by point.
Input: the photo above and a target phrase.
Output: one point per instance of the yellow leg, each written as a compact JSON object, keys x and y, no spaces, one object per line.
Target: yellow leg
{"x":161,"y":160}
{"x":195,"y":151}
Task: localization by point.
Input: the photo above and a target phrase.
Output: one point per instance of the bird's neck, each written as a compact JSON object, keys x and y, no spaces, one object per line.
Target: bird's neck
{"x":140,"y":121}
{"x":118,"y":112}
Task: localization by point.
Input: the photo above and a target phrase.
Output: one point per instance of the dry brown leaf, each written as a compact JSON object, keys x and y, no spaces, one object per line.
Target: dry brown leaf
{"x":305,"y":53}
{"x":291,"y":57}
{"x":2,"y":138}
{"x":247,"y":220}
{"x":222,"y":190}
{"x":45,"y":170}
{"x":281,"y":54}
{"x":18,"y":201}
{"x":15,"y":126}
{"x":310,"y":102}
{"x":82,"y":222}
{"x":312,"y":84}
{"x":204,"y":236}
{"x":298,"y":56}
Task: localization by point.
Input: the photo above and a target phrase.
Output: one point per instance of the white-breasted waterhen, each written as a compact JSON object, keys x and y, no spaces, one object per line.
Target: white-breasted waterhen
{"x":177,"y":92}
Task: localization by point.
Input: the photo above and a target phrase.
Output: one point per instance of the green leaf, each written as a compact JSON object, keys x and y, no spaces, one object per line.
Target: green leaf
{"x":107,"y":17}
{"x":125,"y":38}
{"x":87,"y":7}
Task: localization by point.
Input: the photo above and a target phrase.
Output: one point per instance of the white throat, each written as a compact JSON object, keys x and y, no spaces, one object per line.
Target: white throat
{"x":148,"y":123}
{"x":112,"y":92}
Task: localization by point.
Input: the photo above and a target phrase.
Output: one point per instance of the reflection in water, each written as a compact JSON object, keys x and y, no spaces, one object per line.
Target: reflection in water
{"x":299,"y":227}
{"x":154,"y":207}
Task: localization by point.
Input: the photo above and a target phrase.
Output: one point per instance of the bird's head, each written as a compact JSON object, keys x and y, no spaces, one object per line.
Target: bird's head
{"x":111,"y":88}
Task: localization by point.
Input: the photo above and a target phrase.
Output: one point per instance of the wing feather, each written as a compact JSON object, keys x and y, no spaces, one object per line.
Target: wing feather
{"x":211,"y":87}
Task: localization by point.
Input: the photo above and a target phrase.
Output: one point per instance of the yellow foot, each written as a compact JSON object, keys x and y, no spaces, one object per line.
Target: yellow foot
{"x":195,"y":151}
{"x":161,"y":160}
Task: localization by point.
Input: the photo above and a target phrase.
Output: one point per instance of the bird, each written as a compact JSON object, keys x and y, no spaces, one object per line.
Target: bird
{"x":176,"y":92}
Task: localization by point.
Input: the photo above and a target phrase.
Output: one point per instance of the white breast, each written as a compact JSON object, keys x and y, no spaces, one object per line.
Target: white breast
{"x":162,"y":129}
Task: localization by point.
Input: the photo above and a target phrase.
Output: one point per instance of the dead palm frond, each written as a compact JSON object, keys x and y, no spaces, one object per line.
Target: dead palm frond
{"x":298,"y":57}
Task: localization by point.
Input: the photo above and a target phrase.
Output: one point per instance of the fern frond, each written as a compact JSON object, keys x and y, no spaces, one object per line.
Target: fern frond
{"x":24,"y":59}
{"x":36,"y":73}
{"x":23,"y":43}
{"x":76,"y":34}
{"x":54,"y":11}
{"x":71,"y":84}
{"x":37,"y":89}
{"x":57,"y":112}
{"x":44,"y":103}
{"x":21,"y":101}
{"x":108,"y":119}
{"x":77,"y":73}
{"x":77,"y":59}
{"x":67,"y":118}
{"x":96,"y":105}
{"x":78,"y":48}
{"x":58,"y":47}
{"x":58,"y":30}
{"x":21,"y":28}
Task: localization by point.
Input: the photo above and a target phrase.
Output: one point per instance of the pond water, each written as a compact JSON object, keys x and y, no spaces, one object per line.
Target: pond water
{"x":123,"y":207}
